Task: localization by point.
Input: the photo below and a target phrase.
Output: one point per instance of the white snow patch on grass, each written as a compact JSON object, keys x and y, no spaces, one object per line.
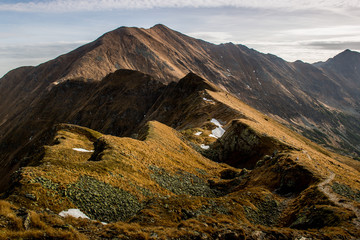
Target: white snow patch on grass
{"x":198,"y":133}
{"x":82,"y":150}
{"x":208,"y":100}
{"x":203,"y":146}
{"x":74,"y":213}
{"x":217,"y":132}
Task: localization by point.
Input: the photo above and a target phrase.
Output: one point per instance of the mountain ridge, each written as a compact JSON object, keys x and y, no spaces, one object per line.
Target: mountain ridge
{"x":162,"y":180}
{"x":285,"y":91}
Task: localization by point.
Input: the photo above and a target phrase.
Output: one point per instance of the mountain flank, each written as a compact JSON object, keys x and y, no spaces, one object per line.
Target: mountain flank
{"x":257,"y":178}
{"x":320,"y":102}
{"x":151,"y":134}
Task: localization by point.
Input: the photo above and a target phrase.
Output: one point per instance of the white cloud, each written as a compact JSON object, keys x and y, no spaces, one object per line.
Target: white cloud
{"x":96,"y":5}
{"x":341,"y":30}
{"x":13,"y":56}
{"x":214,"y":37}
{"x":40,"y":50}
{"x":292,"y":29}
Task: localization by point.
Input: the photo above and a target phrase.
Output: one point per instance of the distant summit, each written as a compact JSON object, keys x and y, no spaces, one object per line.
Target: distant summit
{"x":346,"y":67}
{"x":148,"y":134}
{"x":320,"y":102}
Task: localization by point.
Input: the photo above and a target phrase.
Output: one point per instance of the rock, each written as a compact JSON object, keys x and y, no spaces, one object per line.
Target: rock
{"x":27,"y":221}
{"x":186,"y":214}
{"x":228,"y":174}
{"x":30,"y":196}
{"x":260,"y":163}
{"x":154,"y":235}
{"x":244,"y":171}
{"x":230,"y":235}
{"x":25,"y":215}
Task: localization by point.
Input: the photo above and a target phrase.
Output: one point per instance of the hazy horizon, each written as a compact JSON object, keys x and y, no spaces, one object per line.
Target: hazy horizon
{"x":32,"y":32}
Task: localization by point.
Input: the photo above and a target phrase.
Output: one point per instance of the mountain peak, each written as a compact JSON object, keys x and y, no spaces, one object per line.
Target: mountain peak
{"x":348,"y":56}
{"x":194,"y":81}
{"x":159,"y":26}
{"x":346,"y":53}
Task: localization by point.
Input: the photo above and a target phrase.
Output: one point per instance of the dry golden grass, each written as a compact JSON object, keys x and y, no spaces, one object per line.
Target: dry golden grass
{"x":311,"y":156}
{"x":40,"y":225}
{"x":10,"y":219}
{"x":125,"y":162}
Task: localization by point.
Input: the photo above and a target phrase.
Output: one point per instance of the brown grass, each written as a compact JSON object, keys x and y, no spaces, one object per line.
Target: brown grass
{"x":42,"y":225}
{"x":124,"y":163}
{"x":10,"y":218}
{"x":311,"y":156}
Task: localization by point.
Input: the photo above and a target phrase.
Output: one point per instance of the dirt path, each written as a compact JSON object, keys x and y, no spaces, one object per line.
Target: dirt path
{"x":325,"y":187}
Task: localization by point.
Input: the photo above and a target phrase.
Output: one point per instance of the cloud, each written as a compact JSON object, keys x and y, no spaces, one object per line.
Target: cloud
{"x":40,"y":50}
{"x":334,"y":45}
{"x":96,"y":5}
{"x":214,"y":37}
{"x":13,"y":56}
{"x":342,"y":30}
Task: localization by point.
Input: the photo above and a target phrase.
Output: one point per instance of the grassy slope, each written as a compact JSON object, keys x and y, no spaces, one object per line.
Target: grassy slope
{"x":168,"y":189}
{"x":319,"y":160}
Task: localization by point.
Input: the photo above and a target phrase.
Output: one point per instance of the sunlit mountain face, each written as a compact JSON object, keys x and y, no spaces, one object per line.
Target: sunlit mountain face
{"x":152,"y":134}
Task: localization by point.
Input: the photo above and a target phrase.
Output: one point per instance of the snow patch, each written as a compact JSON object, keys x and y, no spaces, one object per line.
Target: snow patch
{"x":217,"y":132}
{"x":208,"y":100}
{"x":82,"y":150}
{"x":74,"y":213}
{"x":203,"y":146}
{"x":198,"y":133}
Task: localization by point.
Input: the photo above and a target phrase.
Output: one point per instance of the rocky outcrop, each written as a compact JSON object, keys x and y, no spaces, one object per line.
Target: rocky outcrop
{"x":242,"y":147}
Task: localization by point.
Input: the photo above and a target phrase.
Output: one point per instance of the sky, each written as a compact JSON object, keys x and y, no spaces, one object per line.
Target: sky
{"x":35,"y":31}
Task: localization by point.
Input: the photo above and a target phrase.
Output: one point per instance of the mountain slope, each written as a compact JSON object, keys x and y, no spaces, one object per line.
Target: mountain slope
{"x":160,"y":185}
{"x":116,"y":105}
{"x":314,"y":101}
{"x":345,"y":68}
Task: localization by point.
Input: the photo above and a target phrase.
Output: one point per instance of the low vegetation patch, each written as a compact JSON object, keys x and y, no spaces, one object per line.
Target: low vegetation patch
{"x":346,"y":191}
{"x":102,"y":201}
{"x":266,"y":213}
{"x":182,"y":183}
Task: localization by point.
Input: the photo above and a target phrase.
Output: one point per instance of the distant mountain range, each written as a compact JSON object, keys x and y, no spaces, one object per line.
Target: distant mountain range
{"x":320,"y":100}
{"x":158,"y":130}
